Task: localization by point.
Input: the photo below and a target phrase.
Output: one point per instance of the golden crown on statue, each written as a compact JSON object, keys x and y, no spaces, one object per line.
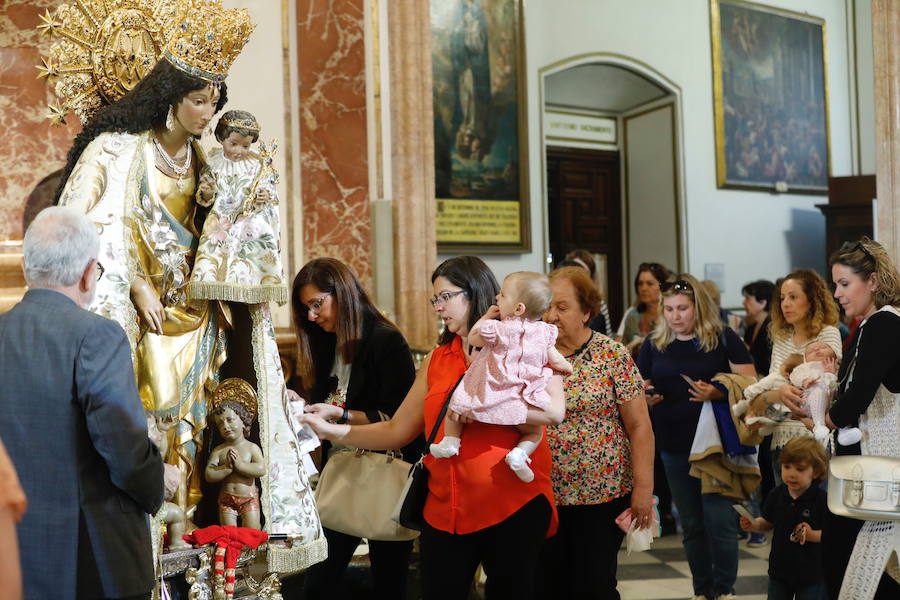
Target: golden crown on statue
{"x":208,"y":38}
{"x":101,"y":49}
{"x":248,"y":124}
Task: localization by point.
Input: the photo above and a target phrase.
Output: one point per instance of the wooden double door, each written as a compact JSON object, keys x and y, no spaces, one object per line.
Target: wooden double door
{"x":585,"y":211}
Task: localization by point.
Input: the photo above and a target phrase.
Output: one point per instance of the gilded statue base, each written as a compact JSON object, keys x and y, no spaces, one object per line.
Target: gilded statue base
{"x":188,"y":575}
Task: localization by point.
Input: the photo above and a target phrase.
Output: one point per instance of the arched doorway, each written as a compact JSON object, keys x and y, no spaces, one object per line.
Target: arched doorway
{"x":617,"y":193}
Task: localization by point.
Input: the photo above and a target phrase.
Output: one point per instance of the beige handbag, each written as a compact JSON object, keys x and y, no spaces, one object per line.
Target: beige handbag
{"x":864,"y":487}
{"x":358,"y":491}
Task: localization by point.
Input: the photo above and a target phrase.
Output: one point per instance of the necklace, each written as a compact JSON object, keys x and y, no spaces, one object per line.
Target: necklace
{"x":179,"y":170}
{"x":581,"y":348}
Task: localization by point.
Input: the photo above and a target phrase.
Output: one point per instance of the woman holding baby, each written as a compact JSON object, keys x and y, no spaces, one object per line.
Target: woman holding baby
{"x":802,"y":313}
{"x":858,"y":554}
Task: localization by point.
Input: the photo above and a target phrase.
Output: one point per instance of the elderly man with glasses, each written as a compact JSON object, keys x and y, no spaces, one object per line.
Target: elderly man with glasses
{"x":74,"y":426}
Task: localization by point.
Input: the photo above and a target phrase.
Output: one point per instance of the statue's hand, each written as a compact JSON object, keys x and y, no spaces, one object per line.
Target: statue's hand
{"x":148,"y":305}
{"x":205,"y":191}
{"x":263,"y":196}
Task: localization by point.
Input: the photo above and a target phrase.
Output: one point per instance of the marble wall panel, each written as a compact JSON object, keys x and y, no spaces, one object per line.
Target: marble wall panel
{"x":333,"y":139}
{"x":30,"y":148}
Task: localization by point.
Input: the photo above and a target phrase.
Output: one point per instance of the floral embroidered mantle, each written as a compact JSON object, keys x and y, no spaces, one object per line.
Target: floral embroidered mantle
{"x":109,"y":184}
{"x":239,"y":255}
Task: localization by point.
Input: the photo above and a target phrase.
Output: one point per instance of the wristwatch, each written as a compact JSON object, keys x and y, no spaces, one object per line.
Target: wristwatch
{"x":345,"y":416}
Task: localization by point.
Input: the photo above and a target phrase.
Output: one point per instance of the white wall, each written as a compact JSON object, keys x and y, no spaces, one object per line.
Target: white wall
{"x":754,"y":234}
{"x":256,"y":83}
{"x":865,"y":82}
{"x":652,"y":194}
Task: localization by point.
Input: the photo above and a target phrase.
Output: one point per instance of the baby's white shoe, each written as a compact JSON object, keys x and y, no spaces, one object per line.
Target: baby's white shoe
{"x":518,"y":461}
{"x":448,"y":447}
{"x":821,"y":432}
{"x":847,"y":436}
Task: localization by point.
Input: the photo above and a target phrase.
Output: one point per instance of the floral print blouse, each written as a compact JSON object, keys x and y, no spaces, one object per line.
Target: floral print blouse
{"x":591,"y":452}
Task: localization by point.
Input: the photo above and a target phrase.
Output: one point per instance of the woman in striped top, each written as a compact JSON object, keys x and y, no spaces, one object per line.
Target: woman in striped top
{"x":805,"y":313}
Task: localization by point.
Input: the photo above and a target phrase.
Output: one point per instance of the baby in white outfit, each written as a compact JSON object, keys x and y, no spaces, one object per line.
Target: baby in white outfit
{"x":817,"y":377}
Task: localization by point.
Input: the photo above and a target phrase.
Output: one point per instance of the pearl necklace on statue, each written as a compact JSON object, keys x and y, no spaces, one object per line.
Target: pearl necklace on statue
{"x":179,"y":170}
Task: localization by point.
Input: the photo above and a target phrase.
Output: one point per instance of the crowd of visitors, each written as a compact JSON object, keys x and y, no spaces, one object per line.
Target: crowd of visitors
{"x":607,"y":424}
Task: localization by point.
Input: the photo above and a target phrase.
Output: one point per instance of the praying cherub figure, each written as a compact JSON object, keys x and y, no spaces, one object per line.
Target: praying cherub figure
{"x":237,"y":462}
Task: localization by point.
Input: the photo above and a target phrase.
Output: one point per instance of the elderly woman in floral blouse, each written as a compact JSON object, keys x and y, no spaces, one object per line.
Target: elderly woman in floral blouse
{"x":602,"y":452}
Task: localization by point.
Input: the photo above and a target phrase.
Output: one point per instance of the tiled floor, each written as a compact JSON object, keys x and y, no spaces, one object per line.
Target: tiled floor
{"x":662,"y":572}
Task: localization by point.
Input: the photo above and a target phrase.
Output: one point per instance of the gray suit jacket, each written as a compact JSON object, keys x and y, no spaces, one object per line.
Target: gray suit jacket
{"x":72,"y":422}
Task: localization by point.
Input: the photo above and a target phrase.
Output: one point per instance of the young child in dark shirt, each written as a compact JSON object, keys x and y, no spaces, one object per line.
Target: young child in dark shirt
{"x":796,"y":511}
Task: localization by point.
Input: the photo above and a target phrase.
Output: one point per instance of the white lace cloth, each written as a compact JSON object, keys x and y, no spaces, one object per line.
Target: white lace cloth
{"x":878,"y":544}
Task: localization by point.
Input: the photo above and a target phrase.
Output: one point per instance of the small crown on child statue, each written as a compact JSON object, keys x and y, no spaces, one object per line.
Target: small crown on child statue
{"x":208,"y":39}
{"x":237,"y":390}
{"x":248,"y":124}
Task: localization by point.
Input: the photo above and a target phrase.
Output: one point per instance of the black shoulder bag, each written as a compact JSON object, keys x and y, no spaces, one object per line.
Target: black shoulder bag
{"x":411,"y":503}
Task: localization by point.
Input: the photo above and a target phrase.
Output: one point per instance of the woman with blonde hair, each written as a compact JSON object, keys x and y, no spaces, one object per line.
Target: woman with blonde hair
{"x":868,"y":287}
{"x":802,"y":312}
{"x":690,"y":341}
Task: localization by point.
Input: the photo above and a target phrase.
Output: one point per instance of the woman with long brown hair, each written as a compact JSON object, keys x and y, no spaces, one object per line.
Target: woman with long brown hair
{"x":802,"y":312}
{"x":355,"y":367}
{"x":474,"y":513}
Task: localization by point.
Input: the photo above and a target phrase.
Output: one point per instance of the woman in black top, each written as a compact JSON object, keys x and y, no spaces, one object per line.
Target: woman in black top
{"x":868,"y":287}
{"x":356,"y":368}
{"x":757,"y":295}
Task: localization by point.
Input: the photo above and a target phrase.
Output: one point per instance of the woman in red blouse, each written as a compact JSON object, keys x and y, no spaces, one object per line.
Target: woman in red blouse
{"x":602,"y":452}
{"x":477,"y":510}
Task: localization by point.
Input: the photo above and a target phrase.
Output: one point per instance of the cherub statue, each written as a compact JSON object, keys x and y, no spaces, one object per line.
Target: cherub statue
{"x":238,"y":257}
{"x":236,"y":462}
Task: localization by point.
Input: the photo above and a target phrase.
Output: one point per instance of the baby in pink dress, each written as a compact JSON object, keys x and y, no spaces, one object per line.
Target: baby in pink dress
{"x":509,"y":376}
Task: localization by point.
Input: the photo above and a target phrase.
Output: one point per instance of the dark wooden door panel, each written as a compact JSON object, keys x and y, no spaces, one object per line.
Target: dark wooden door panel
{"x":585,"y":210}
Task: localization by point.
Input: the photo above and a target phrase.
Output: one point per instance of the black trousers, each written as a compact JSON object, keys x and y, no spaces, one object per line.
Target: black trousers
{"x":580,"y":561}
{"x":389,"y":560}
{"x":838,"y":538}
{"x":508,"y":550}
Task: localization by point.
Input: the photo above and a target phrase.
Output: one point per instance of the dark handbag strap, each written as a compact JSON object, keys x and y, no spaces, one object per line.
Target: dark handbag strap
{"x":441,"y":415}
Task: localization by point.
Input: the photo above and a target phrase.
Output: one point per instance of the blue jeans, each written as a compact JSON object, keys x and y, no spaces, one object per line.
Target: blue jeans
{"x":779,"y":590}
{"x":710,"y":529}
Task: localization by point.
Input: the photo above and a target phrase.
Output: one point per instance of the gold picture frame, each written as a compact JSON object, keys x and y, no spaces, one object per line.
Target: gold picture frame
{"x":480,"y":125}
{"x":770,"y":97}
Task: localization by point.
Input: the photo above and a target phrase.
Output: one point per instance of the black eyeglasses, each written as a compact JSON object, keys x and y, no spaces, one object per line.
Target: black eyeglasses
{"x":316,"y":305}
{"x":854,"y":246}
{"x":679,"y":287}
{"x":100,"y":270}
{"x":444,"y":297}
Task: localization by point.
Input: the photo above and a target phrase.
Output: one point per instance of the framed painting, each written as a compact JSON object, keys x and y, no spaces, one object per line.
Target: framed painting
{"x":770,"y":98}
{"x":480,"y":136}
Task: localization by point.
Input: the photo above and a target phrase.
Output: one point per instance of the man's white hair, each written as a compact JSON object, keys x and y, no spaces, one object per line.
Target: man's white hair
{"x":58,"y":246}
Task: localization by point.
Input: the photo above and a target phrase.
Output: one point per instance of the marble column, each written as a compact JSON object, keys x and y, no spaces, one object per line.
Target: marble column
{"x":31,"y":148}
{"x":334,"y":172}
{"x":885,"y":36}
{"x":412,"y":168}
